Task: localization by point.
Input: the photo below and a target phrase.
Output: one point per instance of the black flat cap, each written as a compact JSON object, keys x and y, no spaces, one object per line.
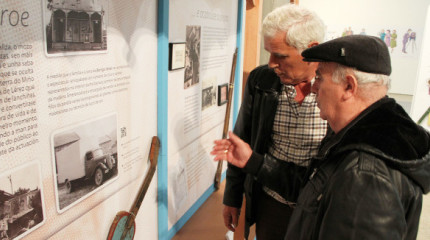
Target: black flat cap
{"x":365,"y":53}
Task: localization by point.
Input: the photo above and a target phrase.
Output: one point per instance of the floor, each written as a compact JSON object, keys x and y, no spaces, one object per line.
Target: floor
{"x":207,"y":222}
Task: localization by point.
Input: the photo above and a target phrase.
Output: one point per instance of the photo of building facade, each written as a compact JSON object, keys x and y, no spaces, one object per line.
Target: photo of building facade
{"x":75,"y":25}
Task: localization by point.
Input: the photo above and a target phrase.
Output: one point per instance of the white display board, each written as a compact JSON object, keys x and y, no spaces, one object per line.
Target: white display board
{"x":370,"y":18}
{"x":78,"y":87}
{"x":195,"y":114}
{"x":421,"y":100}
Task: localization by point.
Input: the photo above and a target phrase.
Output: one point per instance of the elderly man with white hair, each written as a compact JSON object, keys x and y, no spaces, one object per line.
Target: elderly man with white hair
{"x":279,"y":119}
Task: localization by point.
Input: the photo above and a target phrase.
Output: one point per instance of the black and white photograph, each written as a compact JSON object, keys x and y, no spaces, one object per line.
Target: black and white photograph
{"x":209,"y":92}
{"x":75,"y":26}
{"x":222,"y":94}
{"x":85,"y":159}
{"x":21,"y":206}
{"x":192,"y":56}
{"x":208,"y":97}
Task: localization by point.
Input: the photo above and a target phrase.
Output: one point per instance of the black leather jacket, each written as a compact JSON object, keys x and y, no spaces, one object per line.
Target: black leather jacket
{"x":254,"y":126}
{"x":366,"y":183}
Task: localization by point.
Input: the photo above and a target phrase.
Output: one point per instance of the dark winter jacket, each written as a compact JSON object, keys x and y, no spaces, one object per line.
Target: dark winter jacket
{"x":366,"y":182}
{"x":254,"y":125}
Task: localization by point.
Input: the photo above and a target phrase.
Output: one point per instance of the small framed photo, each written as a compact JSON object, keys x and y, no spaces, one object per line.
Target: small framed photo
{"x":176,"y":56}
{"x":222,"y":94}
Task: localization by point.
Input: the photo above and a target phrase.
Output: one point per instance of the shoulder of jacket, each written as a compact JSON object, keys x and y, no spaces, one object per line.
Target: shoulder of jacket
{"x":363,"y":167}
{"x":264,"y":77}
{"x":263,"y":70}
{"x":363,"y":163}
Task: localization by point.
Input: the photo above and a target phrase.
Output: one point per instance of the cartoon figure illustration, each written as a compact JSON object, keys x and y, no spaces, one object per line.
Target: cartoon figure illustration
{"x":363,"y":31}
{"x":393,"y":42}
{"x":429,"y":87}
{"x":382,"y":34}
{"x":387,"y":38}
{"x":406,"y":40}
{"x":349,"y":32}
{"x":344,"y":32}
{"x":412,"y":38}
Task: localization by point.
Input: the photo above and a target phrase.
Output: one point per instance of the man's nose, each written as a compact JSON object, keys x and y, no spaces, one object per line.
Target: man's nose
{"x":272,"y":62}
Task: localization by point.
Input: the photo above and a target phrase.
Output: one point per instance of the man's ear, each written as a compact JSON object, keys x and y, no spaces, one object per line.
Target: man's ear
{"x":350,"y":87}
{"x":312,"y":44}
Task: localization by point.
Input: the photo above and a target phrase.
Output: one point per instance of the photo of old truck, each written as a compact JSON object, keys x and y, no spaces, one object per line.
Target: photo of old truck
{"x":85,"y":159}
{"x":76,"y":166}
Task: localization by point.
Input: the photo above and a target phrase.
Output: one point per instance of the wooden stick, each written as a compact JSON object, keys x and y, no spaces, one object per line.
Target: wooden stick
{"x":217,"y":180}
{"x":153,"y":158}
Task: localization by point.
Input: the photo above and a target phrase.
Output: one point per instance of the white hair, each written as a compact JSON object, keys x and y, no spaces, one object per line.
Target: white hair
{"x":363,"y":78}
{"x":301,"y":25}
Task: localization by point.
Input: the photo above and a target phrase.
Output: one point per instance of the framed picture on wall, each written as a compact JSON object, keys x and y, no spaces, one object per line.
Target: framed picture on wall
{"x":222,"y":94}
{"x":75,"y":36}
{"x":176,"y":56}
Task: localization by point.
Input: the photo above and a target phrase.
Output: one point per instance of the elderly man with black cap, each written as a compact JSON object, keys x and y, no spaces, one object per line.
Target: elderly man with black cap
{"x":372,"y":167}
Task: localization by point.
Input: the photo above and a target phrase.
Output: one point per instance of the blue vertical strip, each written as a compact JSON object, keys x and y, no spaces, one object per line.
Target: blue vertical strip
{"x":162,"y":105}
{"x":237,"y":88}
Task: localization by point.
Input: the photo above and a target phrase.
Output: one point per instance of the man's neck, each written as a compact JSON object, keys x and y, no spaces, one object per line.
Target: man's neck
{"x":350,"y":111}
{"x":302,"y":90}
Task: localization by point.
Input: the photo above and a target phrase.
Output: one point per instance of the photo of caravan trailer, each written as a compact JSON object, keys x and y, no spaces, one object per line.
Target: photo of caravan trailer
{"x":85,"y":158}
{"x":74,"y":165}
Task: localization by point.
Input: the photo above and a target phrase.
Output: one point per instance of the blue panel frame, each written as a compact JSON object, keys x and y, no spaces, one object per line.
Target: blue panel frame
{"x":162,"y":104}
{"x":162,"y":116}
{"x":237,"y":84}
